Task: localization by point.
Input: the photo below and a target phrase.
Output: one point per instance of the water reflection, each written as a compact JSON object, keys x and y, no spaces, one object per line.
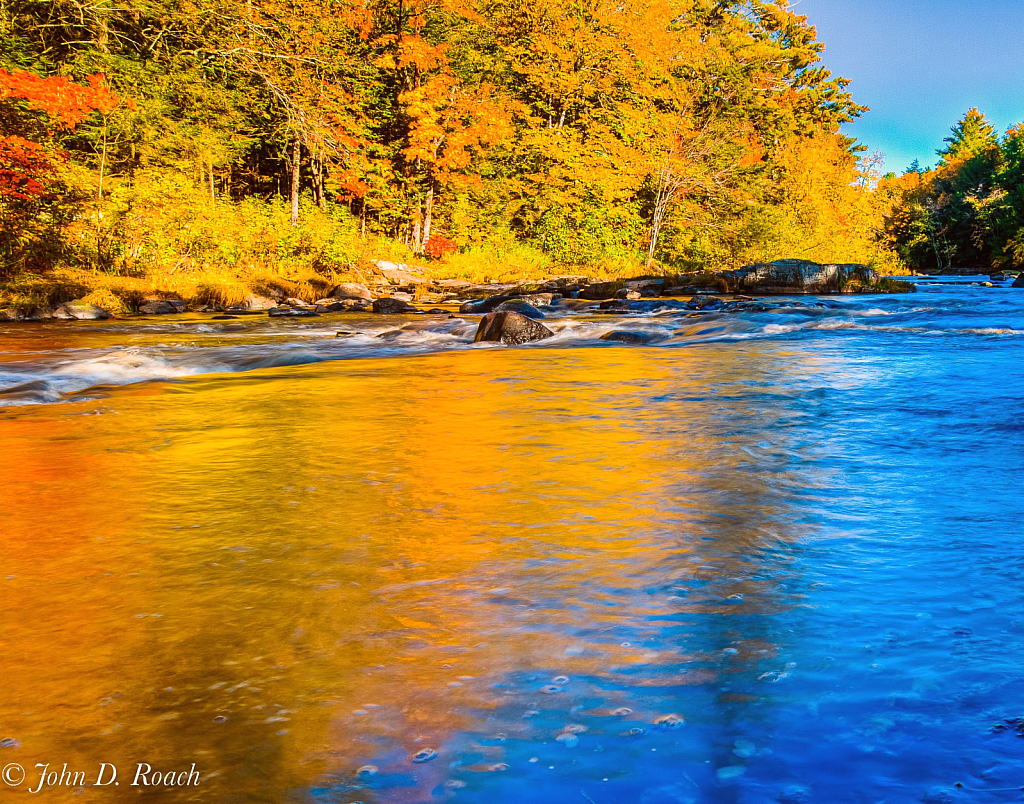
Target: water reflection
{"x":577,"y":575}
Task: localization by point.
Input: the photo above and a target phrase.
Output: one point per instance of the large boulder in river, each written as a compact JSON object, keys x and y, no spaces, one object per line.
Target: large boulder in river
{"x":1018,"y":282}
{"x":510,"y":328}
{"x":797,"y":277}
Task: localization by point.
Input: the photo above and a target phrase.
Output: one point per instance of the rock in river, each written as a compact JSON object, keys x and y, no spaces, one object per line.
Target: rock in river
{"x":392,"y":306}
{"x":521,"y":307}
{"x":788,"y":277}
{"x":510,"y":328}
{"x":1018,"y":282}
{"x":703,"y":301}
{"x":161,"y":306}
{"x":297,"y":312}
{"x":487,"y":305}
{"x":600,"y":290}
{"x":628,"y":336}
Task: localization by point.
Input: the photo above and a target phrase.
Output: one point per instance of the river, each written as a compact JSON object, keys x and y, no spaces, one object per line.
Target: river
{"x":772,"y":556}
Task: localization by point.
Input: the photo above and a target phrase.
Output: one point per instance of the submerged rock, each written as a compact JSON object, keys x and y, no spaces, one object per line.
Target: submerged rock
{"x":522,"y":307}
{"x":511,"y":329}
{"x":424,"y":755}
{"x":628,"y":336}
{"x":392,"y":306}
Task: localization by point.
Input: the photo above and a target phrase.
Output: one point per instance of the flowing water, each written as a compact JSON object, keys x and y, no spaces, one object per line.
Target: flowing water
{"x":772,"y":556}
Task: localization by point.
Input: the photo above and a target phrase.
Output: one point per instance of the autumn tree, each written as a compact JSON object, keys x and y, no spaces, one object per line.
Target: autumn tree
{"x":38,"y":111}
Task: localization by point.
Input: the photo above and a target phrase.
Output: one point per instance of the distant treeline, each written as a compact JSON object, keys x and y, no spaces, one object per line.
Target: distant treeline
{"x":967,"y":212}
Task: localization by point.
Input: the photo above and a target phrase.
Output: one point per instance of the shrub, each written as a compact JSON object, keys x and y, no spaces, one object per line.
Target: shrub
{"x":438,"y":246}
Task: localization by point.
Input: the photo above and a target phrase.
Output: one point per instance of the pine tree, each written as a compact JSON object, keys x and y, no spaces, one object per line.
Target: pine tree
{"x":972,"y":135}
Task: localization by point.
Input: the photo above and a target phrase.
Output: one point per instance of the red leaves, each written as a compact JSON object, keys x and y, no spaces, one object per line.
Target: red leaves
{"x":27,"y":171}
{"x":350,"y":185}
{"x":437,"y":246}
{"x":66,"y":103}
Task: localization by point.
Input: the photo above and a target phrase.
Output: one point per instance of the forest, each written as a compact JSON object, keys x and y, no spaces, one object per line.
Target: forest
{"x":200,"y":146}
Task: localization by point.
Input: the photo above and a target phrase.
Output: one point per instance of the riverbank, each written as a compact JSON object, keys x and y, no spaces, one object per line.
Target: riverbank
{"x":390,"y":287}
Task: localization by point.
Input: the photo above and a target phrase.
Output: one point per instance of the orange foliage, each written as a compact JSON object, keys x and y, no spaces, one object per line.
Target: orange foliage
{"x":66,"y":103}
{"x":27,"y":171}
{"x":450,"y":122}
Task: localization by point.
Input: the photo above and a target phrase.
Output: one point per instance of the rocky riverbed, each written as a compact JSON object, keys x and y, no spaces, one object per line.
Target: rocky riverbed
{"x":397,"y":289}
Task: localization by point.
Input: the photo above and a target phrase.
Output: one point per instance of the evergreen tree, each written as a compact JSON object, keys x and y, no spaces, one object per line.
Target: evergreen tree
{"x":972,"y":135}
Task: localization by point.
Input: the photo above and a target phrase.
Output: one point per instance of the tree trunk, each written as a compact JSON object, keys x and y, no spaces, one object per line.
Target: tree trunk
{"x":213,"y":194}
{"x":103,"y":161}
{"x":321,"y":199}
{"x":296,"y":158}
{"x":661,"y":202}
{"x":102,"y":29}
{"x":429,"y":213}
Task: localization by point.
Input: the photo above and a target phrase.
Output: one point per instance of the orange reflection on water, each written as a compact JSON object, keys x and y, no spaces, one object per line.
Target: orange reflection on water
{"x":285,"y":575}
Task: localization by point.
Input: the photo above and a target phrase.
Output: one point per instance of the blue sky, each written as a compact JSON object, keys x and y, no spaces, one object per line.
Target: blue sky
{"x":920,"y":64}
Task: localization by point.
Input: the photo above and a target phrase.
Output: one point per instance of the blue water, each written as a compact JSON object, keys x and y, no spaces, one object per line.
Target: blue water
{"x":774,"y":556}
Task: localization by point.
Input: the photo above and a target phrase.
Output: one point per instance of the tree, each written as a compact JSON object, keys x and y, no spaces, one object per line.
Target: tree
{"x":32,"y":186}
{"x":971,"y":135}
